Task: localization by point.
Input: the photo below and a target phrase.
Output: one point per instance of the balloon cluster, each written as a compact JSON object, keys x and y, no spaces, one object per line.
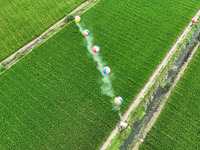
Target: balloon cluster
{"x":194,"y":20}
{"x":106,"y":70}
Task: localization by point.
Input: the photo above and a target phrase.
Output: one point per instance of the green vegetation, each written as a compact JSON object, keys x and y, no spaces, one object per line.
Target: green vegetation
{"x":69,"y":18}
{"x":51,"y":99}
{"x":166,"y":87}
{"x":22,"y":21}
{"x":2,"y":68}
{"x":134,"y":45}
{"x":178,"y":125}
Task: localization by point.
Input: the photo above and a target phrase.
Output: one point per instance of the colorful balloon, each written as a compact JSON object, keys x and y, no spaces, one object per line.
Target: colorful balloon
{"x":96,"y":49}
{"x":86,"y":32}
{"x":106,"y":70}
{"x":194,"y":20}
{"x":77,"y":18}
{"x":118,"y":100}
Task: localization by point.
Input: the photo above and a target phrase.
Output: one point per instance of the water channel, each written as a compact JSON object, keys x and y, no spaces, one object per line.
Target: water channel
{"x":160,"y":91}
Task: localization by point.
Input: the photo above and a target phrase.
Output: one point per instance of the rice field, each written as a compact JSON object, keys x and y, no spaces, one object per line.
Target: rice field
{"x":21,"y":21}
{"x":178,"y":126}
{"x":52,"y":98}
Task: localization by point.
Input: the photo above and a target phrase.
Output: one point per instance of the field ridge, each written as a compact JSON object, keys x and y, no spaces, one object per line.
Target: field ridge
{"x":56,"y":89}
{"x":151,"y":80}
{"x":161,"y":106}
{"x":11,"y":60}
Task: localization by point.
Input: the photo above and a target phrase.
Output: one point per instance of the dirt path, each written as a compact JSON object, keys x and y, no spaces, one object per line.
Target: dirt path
{"x":150,"y":82}
{"x":39,"y":40}
{"x":138,"y":98}
{"x":148,"y":127}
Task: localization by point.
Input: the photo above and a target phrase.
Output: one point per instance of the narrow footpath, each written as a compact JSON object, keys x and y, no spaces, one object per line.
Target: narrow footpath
{"x":141,"y":94}
{"x":151,"y":122}
{"x":9,"y":61}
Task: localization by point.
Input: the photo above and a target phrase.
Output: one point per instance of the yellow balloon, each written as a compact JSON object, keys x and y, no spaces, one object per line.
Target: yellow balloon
{"x":77,"y":18}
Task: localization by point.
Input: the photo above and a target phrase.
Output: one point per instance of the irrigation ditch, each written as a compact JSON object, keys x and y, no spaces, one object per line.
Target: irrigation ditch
{"x":155,"y":114}
{"x":155,"y":97}
{"x":162,"y":90}
{"x":22,"y":52}
{"x":149,"y":108}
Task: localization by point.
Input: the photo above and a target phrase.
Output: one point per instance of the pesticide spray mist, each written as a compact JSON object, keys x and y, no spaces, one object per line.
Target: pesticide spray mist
{"x":106,"y":86}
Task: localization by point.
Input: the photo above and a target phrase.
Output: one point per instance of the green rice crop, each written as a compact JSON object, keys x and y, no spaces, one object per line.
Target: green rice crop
{"x":51,"y":99}
{"x":21,"y":21}
{"x":178,"y":126}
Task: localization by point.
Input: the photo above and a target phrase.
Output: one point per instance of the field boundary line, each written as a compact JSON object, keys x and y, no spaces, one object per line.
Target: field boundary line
{"x":151,"y":122}
{"x":11,"y":60}
{"x":148,"y":85}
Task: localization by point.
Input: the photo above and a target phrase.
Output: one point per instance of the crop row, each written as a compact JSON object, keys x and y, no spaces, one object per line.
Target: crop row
{"x":22,"y":21}
{"x":55,"y":94}
{"x":178,"y":125}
